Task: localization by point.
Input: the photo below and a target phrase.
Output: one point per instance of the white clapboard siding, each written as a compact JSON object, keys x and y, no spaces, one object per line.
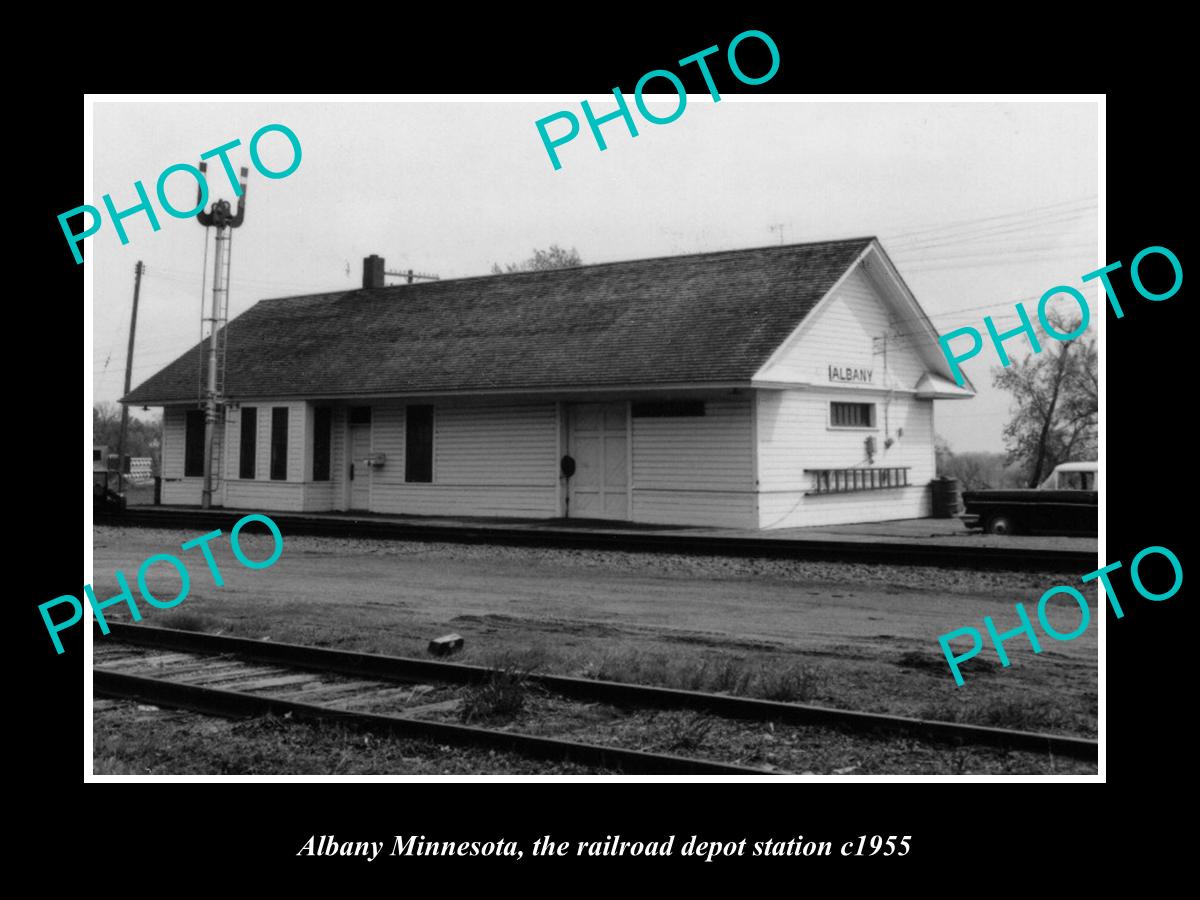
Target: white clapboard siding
{"x":265,"y":495}
{"x":847,"y":332}
{"x":794,"y":435}
{"x":695,"y":470}
{"x":261,"y":492}
{"x":177,"y":489}
{"x":487,"y":460}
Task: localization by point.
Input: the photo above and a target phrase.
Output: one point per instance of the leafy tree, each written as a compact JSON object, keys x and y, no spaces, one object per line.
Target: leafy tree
{"x":1056,"y":409}
{"x":554,"y":258}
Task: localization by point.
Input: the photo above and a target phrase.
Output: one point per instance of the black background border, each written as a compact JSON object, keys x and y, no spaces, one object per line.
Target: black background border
{"x":960,"y":828}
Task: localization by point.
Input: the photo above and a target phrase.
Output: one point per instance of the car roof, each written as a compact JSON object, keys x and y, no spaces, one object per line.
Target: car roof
{"x":1077,"y":466}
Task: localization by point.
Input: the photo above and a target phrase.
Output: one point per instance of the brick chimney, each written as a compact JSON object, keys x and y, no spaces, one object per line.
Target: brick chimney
{"x":373,"y":271}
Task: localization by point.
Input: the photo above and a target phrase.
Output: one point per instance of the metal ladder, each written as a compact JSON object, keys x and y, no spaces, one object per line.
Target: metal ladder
{"x":215,"y":329}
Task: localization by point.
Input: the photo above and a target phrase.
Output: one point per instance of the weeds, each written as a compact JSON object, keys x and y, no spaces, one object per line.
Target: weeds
{"x":1017,"y":713}
{"x":188,"y":621}
{"x":502,"y":696}
{"x":687,"y":731}
{"x":793,"y":683}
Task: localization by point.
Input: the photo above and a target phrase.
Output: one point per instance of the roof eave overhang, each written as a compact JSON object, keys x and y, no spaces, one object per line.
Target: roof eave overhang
{"x":528,"y":392}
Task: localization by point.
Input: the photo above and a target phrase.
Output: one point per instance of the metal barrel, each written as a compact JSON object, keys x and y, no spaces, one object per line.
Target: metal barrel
{"x":946,"y":498}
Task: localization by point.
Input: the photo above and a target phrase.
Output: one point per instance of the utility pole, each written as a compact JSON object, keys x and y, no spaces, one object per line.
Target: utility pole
{"x":137,"y":286}
{"x":222,"y":217}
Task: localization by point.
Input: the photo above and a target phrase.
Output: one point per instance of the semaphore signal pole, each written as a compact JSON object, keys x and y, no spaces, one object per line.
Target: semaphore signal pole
{"x":221,"y":217}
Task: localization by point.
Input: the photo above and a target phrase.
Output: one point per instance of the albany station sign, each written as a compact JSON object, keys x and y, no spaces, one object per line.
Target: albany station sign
{"x":850,"y":375}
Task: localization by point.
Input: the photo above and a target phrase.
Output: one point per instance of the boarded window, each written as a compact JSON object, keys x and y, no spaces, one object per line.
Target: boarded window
{"x":279,"y":436}
{"x":668,"y":409}
{"x":418,"y":443}
{"x":322,"y":440}
{"x":249,"y":442}
{"x":193,"y":444}
{"x":852,"y":415}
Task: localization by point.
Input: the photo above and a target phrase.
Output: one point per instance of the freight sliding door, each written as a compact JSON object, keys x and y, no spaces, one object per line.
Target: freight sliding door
{"x":598,"y":441}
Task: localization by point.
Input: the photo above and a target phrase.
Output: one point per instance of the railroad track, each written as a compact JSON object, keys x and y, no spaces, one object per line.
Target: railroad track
{"x":230,"y":676}
{"x":1009,"y":559}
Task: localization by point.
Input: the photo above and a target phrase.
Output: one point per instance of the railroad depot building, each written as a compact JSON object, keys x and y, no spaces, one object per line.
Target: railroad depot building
{"x":762,"y":388}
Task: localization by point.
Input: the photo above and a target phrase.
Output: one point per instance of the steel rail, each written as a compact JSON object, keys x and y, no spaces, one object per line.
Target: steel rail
{"x":226,"y":703}
{"x":405,"y":669}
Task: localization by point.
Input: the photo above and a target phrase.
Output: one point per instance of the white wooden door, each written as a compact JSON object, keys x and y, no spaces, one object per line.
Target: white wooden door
{"x":360,"y":472}
{"x":598,"y":440}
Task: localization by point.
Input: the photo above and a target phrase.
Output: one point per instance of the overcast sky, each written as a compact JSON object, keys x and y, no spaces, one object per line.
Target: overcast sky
{"x":978,"y":204}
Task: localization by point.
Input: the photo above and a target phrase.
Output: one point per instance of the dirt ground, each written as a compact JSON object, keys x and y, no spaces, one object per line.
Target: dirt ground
{"x":863,"y":637}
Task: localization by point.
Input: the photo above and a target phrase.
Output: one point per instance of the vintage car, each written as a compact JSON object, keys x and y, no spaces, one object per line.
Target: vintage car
{"x":1067,"y":502}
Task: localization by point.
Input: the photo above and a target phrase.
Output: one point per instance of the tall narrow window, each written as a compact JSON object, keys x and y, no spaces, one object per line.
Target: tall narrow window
{"x":322,"y":439}
{"x":418,"y":443}
{"x":249,"y":442}
{"x":279,"y":435}
{"x":193,"y":443}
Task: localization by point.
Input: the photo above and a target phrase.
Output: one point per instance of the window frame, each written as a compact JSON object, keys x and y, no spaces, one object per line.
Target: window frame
{"x":871,"y":407}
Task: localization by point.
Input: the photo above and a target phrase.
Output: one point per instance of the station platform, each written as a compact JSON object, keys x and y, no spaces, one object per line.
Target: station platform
{"x":918,"y":541}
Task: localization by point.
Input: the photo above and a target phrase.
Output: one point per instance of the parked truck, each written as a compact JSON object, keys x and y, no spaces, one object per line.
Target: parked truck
{"x":1067,"y":503}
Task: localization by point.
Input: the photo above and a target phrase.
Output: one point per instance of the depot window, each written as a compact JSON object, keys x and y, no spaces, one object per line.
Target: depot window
{"x":322,"y":441}
{"x":193,"y":443}
{"x":418,"y":443}
{"x":249,"y":443}
{"x":852,"y":415}
{"x":279,"y":435}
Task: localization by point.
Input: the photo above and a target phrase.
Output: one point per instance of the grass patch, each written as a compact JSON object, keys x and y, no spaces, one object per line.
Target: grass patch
{"x":1020,"y":713}
{"x":936,"y":663}
{"x":501,"y":697}
{"x":687,"y":731}
{"x":188,"y":621}
{"x":789,"y":683}
{"x":794,"y":684}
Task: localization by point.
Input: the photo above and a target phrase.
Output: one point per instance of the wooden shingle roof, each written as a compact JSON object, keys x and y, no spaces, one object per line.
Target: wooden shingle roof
{"x":704,"y":318}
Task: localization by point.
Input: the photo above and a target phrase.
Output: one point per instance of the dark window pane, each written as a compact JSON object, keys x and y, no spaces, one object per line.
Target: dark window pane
{"x":279,"y":435}
{"x":249,"y":443}
{"x":322,"y":439}
{"x":668,"y":409}
{"x":418,"y":443}
{"x":193,"y":444}
{"x":852,"y":415}
{"x":360,"y":415}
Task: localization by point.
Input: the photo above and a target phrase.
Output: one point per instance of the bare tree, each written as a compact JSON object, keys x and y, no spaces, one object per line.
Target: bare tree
{"x":1056,"y":404}
{"x":553,"y":258}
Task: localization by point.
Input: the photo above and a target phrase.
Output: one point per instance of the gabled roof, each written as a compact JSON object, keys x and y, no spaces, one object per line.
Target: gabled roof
{"x":704,"y":318}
